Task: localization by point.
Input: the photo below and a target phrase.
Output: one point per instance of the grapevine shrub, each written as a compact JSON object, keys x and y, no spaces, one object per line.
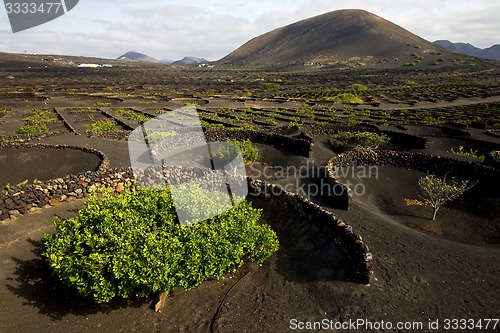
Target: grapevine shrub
{"x":131,"y":245}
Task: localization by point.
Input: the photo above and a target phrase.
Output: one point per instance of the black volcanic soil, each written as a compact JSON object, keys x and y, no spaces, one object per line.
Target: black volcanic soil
{"x":31,"y":164}
{"x":422,"y":271}
{"x":418,"y":277}
{"x":471,"y":219}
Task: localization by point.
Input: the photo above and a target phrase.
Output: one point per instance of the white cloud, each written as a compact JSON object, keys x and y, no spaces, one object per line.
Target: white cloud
{"x":213,"y":28}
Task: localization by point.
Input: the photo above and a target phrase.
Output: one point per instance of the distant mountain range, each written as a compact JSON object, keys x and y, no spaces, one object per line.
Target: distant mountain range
{"x":492,"y":52}
{"x":136,"y":56}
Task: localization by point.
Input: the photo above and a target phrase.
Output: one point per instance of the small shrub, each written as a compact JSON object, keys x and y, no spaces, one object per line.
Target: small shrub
{"x":353,"y":122}
{"x":364,"y":139}
{"x":358,"y":87}
{"x":409,"y":64}
{"x":103,"y":125}
{"x":228,"y":152}
{"x":158,"y":136}
{"x":131,"y":115}
{"x":206,"y":124}
{"x":345,"y":98}
{"x":437,"y":191}
{"x":102,"y":104}
{"x":271,"y":86}
{"x":462,"y":152}
{"x":38,"y":118}
{"x":131,"y":245}
{"x":33,"y":128}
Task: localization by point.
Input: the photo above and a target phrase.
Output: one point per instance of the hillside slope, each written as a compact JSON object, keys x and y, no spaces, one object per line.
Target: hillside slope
{"x":342,"y":33}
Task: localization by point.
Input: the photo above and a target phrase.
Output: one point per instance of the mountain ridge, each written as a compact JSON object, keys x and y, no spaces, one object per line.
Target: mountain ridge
{"x":137,"y":56}
{"x":133,"y":55}
{"x":492,"y":52}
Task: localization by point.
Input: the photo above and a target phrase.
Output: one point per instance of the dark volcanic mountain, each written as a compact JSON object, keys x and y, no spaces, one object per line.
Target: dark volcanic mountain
{"x":464,"y":48}
{"x":342,"y":33}
{"x":190,"y":61}
{"x":132,"y":55}
{"x":491,"y":52}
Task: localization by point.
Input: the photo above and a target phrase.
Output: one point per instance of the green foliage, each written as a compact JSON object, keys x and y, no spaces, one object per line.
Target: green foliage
{"x":295,"y":121}
{"x":271,"y":86}
{"x":103,"y":125}
{"x":85,"y":110}
{"x":210,"y":125}
{"x":345,"y":98}
{"x":131,"y":245}
{"x":38,"y":118}
{"x":462,"y":152}
{"x":353,"y":122}
{"x":4,"y":110}
{"x":228,"y":152}
{"x":409,"y":64}
{"x":22,"y":183}
{"x":216,"y":117}
{"x":131,"y":115}
{"x":437,"y":191}
{"x":158,"y":136}
{"x":33,"y":128}
{"x":102,"y":104}
{"x":364,"y":139}
{"x":271,"y":122}
{"x":358,"y":87}
{"x":160,"y":111}
{"x":36,"y":121}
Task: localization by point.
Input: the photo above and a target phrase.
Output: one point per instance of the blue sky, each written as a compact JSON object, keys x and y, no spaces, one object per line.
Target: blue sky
{"x":212,"y":29}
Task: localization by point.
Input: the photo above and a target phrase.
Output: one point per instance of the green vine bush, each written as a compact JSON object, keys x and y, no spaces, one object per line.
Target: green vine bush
{"x":131,"y":245}
{"x":229,"y":151}
{"x":103,"y":125}
{"x":271,"y":86}
{"x":364,"y":139}
{"x":345,"y":98}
